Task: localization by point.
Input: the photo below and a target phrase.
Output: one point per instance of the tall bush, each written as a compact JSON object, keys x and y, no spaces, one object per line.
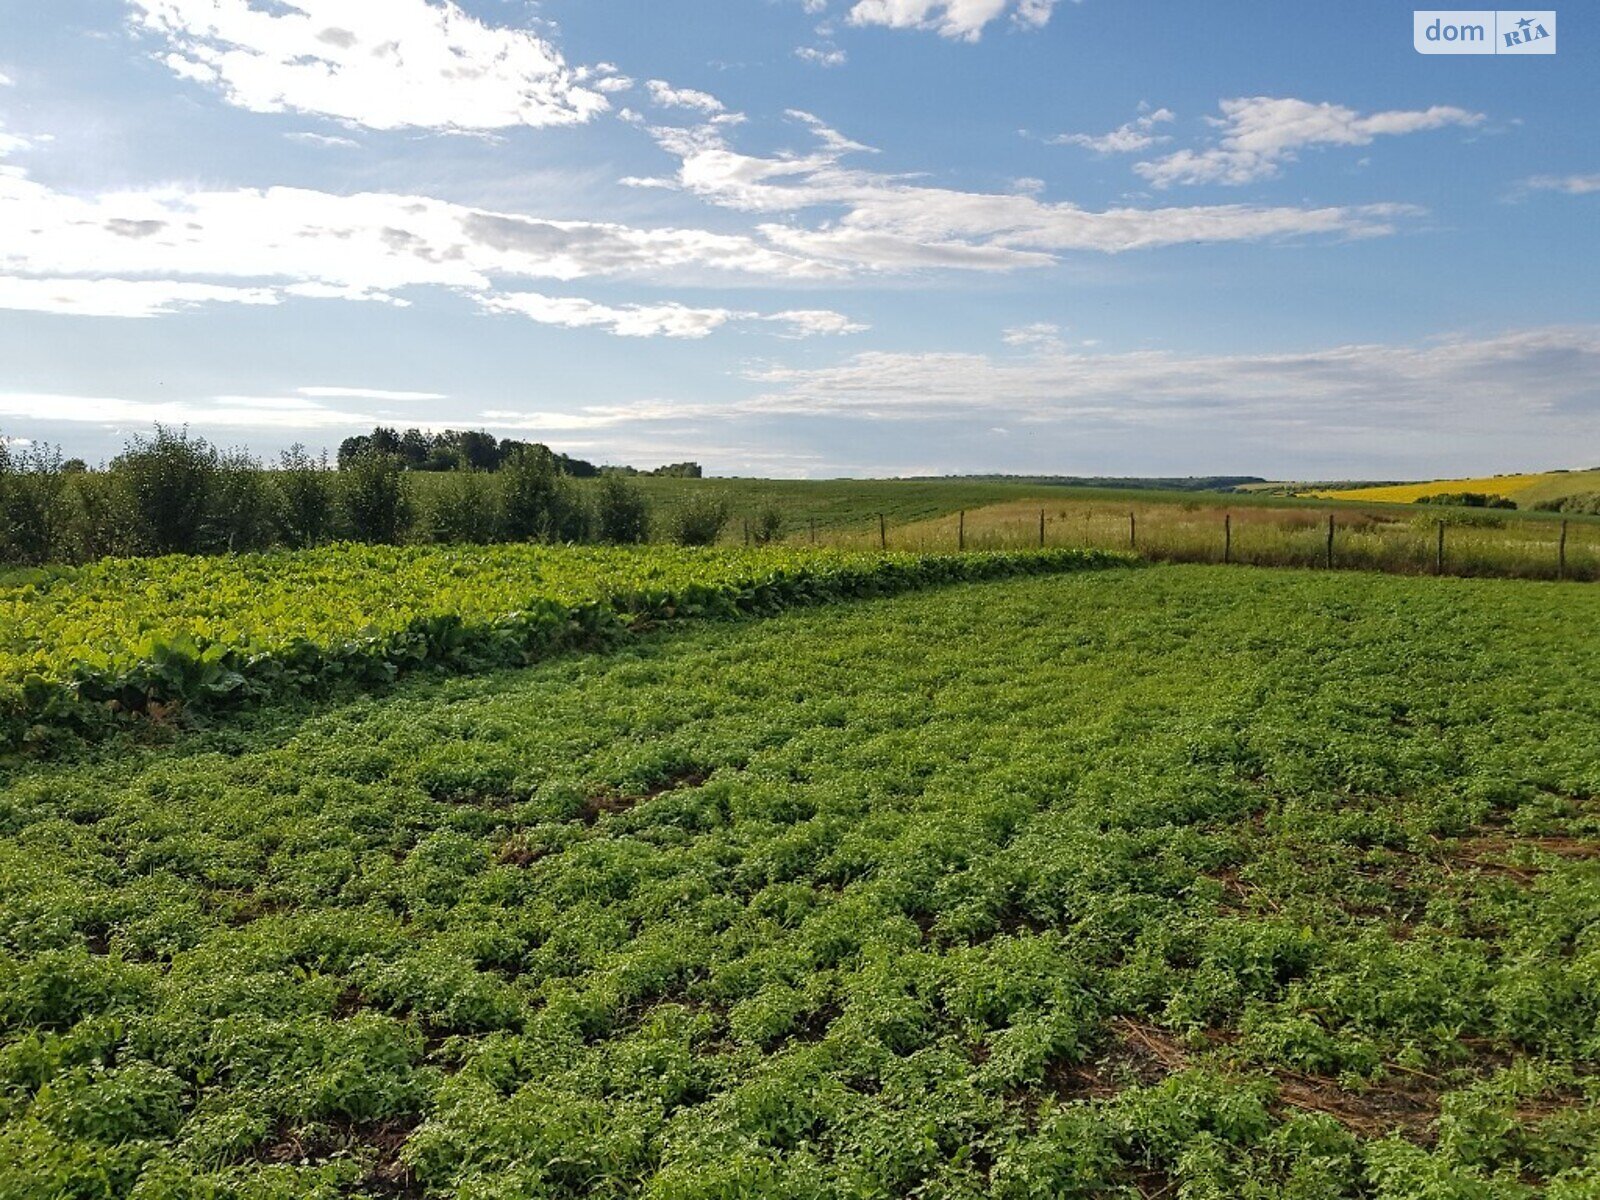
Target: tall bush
{"x":303,"y":498}
{"x":768,"y":525}
{"x":104,"y":524}
{"x":533,"y":496}
{"x":168,"y":480}
{"x":698,"y":521}
{"x":241,"y":505}
{"x":463,"y":508}
{"x":32,"y":504}
{"x":372,"y":492}
{"x":622,"y":514}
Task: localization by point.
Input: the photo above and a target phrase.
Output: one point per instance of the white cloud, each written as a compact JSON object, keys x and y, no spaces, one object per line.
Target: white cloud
{"x":893,"y":223}
{"x":289,"y":413}
{"x":321,"y":245}
{"x":6,"y":80}
{"x":323,"y":139}
{"x":632,"y":320}
{"x":1572,"y":185}
{"x":1137,"y":134}
{"x":809,"y":322}
{"x":822,"y":56}
{"x":10,"y":143}
{"x":963,"y":19}
{"x":1040,"y":335}
{"x":395,"y":65}
{"x":667,"y":96}
{"x":1261,"y":132}
{"x":121,"y":297}
{"x":670,"y":320}
{"x":1540,"y":378}
{"x":349,"y":393}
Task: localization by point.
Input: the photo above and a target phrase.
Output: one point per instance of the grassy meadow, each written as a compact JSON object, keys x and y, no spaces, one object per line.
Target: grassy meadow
{"x":1160,"y":882}
{"x":1167,"y":527}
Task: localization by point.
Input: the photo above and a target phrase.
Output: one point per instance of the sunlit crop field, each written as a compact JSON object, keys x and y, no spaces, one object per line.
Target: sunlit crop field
{"x":1525,"y":489}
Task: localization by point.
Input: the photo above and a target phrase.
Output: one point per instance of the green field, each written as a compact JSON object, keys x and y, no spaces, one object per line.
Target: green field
{"x":1174,"y":882}
{"x":1171,"y":526}
{"x":832,"y":505}
{"x":82,"y":648}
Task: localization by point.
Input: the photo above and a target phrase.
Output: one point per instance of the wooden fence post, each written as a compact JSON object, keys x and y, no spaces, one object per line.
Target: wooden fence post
{"x":813,"y":531}
{"x":1438,"y":558}
{"x":1041,"y":529}
{"x":1561,"y":554}
{"x":883,"y":534}
{"x":1227,"y":538}
{"x":1330,"y":542}
{"x":747,"y":531}
{"x":1133,"y":532}
{"x":961,"y":531}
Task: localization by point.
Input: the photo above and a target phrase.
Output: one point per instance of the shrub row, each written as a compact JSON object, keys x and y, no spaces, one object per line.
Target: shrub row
{"x":175,"y":493}
{"x":182,"y":673}
{"x":1467,"y":500}
{"x":1579,"y":504}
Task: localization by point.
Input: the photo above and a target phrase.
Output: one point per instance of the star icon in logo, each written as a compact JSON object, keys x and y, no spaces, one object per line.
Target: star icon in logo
{"x":1523,"y":24}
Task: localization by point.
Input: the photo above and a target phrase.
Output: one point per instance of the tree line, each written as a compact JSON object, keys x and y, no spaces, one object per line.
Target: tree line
{"x":476,"y":450}
{"x":172,"y":492}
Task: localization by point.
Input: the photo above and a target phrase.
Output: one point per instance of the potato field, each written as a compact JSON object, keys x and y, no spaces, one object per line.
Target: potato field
{"x":1162,"y":881}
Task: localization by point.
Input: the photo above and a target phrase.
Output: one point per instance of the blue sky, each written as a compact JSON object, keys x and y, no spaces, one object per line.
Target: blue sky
{"x":805,"y":237}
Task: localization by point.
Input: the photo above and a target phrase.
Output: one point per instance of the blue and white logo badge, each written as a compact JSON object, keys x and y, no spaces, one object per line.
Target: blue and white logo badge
{"x":1526,"y":32}
{"x":1484,"y":31}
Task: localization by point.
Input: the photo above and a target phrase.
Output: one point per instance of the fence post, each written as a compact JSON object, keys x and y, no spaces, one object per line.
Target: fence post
{"x":1133,"y":532}
{"x":1041,"y":529}
{"x":747,"y":531}
{"x":1561,"y":554}
{"x":961,"y":531}
{"x":1438,"y":558}
{"x":883,"y":534}
{"x":1227,"y":538}
{"x":1330,"y":541}
{"x":813,"y":531}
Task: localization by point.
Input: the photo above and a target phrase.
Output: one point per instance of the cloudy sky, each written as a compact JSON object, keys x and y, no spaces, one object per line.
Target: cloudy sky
{"x":805,"y":237}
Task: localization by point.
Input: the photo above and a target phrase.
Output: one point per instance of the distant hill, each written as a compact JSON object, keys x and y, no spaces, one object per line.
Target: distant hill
{"x":1186,"y":483}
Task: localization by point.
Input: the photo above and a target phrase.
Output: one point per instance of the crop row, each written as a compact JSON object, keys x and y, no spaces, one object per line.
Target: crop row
{"x":83,"y":648}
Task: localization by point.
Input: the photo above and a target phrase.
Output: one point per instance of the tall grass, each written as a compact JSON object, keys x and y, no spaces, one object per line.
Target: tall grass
{"x":1397,"y":540}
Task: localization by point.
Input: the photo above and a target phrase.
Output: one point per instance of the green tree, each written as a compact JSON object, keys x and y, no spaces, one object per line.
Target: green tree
{"x":32,"y":504}
{"x":241,"y":505}
{"x":533,"y":496}
{"x":373,"y":494}
{"x":168,"y":481}
{"x":463,"y":508}
{"x":303,"y":498}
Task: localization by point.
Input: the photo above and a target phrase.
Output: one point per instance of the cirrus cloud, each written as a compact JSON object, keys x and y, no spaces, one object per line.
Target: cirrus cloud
{"x":1259,"y":133}
{"x":885,"y":222}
